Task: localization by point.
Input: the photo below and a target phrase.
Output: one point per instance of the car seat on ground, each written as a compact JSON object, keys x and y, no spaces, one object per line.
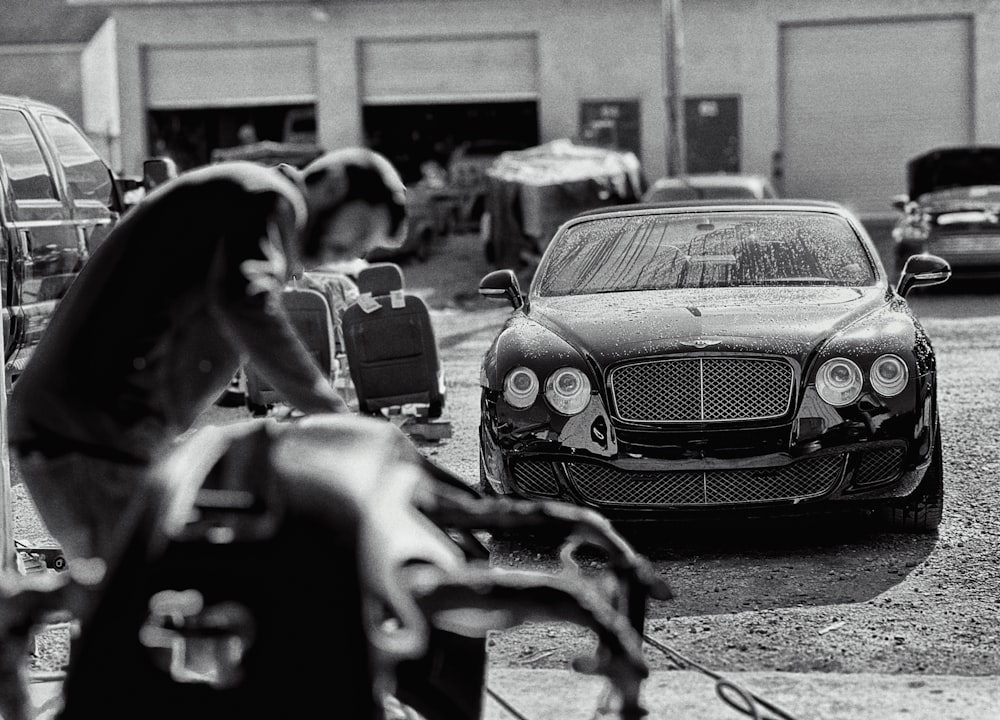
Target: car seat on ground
{"x":390,"y":344}
{"x":310,"y":314}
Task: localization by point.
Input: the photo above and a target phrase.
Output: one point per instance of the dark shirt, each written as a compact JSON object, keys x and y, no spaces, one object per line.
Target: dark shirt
{"x":184,"y":289}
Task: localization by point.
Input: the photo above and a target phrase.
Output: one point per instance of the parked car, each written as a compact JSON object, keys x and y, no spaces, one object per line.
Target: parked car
{"x":58,"y":201}
{"x":952,"y":209}
{"x":709,"y":186}
{"x":731,"y":356}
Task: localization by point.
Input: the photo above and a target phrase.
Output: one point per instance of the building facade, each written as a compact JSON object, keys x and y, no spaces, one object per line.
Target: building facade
{"x":64,"y":56}
{"x":829,"y":98}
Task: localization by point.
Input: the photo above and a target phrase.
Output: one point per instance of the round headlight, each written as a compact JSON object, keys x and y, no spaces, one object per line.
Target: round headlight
{"x":520,"y":387}
{"x":889,"y":375}
{"x":839,"y":381}
{"x":567,"y":390}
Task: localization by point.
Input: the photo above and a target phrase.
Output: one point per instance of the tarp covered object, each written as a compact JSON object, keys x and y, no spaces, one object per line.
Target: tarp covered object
{"x":531,"y":192}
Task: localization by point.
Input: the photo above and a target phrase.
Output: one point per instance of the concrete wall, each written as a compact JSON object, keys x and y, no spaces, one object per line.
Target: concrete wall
{"x":49,"y":73}
{"x":101,"y":104}
{"x":588,"y":49}
{"x":575,"y":37}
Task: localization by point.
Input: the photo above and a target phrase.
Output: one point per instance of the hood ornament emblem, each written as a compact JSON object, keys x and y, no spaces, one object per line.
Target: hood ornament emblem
{"x":699,"y":343}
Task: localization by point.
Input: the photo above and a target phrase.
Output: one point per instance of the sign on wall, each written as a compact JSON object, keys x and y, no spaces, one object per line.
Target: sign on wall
{"x":612,"y":124}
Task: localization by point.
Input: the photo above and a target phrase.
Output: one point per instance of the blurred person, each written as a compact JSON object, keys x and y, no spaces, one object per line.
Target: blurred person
{"x":247,"y":134}
{"x":184,"y":290}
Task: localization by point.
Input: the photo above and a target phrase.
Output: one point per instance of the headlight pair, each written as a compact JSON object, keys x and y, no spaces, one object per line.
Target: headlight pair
{"x":567,"y":390}
{"x":839,"y":380}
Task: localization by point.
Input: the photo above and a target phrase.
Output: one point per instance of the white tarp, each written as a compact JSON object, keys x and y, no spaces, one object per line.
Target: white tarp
{"x":562,"y":161}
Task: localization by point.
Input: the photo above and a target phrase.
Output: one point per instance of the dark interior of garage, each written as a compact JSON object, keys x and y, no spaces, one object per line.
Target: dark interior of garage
{"x":190,"y":136}
{"x":410,"y":135}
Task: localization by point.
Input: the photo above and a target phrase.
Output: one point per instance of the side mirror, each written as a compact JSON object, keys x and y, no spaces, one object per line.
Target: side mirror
{"x":156,"y":171}
{"x":922,"y":271}
{"x":899,"y":201}
{"x":502,"y":284}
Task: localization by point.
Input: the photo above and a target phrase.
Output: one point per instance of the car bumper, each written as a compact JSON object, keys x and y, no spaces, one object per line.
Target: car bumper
{"x":807,"y":477}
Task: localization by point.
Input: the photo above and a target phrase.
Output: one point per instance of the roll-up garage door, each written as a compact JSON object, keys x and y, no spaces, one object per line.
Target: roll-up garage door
{"x":449,"y":70}
{"x":861,"y":98}
{"x":227,"y":76}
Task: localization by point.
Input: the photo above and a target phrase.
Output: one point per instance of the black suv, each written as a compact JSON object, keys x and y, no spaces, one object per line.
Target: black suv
{"x":58,"y":201}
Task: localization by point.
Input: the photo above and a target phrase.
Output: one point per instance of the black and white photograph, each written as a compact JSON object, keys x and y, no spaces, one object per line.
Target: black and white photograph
{"x":500,"y":359}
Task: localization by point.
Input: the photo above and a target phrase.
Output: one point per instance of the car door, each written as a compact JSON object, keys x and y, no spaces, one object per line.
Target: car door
{"x":88,"y":180}
{"x":42,"y":246}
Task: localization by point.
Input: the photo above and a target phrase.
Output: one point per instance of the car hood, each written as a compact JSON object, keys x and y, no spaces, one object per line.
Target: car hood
{"x":612,"y":327}
{"x":952,"y":168}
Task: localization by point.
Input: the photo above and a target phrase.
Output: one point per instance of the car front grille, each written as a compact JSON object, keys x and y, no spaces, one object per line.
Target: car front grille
{"x":879,"y":465}
{"x":535,"y":478}
{"x":702,"y":389}
{"x":610,"y":486}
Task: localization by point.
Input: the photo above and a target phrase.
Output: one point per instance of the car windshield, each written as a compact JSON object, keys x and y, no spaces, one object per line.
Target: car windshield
{"x":701,"y":250}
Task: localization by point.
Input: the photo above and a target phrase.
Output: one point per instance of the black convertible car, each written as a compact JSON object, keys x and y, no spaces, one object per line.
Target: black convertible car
{"x":745,"y":356}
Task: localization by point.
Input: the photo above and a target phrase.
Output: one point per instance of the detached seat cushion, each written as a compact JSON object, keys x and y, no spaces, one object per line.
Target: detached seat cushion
{"x":312,"y":319}
{"x":390,"y":345}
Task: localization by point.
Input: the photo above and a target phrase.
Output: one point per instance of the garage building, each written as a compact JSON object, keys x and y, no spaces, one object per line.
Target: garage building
{"x":830,"y":99}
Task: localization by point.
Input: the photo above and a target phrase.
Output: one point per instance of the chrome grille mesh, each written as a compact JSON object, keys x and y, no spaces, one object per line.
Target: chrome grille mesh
{"x":605,"y":485}
{"x":879,"y":465}
{"x":535,"y":478}
{"x":702,"y":390}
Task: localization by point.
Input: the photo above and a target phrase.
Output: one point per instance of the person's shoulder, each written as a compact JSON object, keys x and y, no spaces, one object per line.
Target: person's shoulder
{"x":250,"y":176}
{"x":252,"y":179}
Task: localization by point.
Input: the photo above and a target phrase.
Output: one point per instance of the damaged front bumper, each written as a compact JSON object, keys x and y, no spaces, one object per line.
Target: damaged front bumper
{"x":795,"y":466}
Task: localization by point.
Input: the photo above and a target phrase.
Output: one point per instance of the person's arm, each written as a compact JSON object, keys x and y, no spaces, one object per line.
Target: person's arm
{"x":250,"y":275}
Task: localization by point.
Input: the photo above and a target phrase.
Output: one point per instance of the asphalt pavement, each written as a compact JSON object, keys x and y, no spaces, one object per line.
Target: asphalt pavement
{"x":691,"y":695}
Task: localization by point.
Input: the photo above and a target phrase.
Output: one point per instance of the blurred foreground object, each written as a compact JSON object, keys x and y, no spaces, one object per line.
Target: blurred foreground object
{"x":285,"y":567}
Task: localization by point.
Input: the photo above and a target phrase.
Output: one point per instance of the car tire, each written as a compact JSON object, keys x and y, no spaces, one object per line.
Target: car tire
{"x":922,"y":511}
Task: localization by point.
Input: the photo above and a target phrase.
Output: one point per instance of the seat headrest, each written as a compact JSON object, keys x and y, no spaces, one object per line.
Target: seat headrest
{"x":380,"y":278}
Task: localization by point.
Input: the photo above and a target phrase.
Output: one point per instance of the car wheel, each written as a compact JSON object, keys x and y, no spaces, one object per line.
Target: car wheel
{"x":922,"y":511}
